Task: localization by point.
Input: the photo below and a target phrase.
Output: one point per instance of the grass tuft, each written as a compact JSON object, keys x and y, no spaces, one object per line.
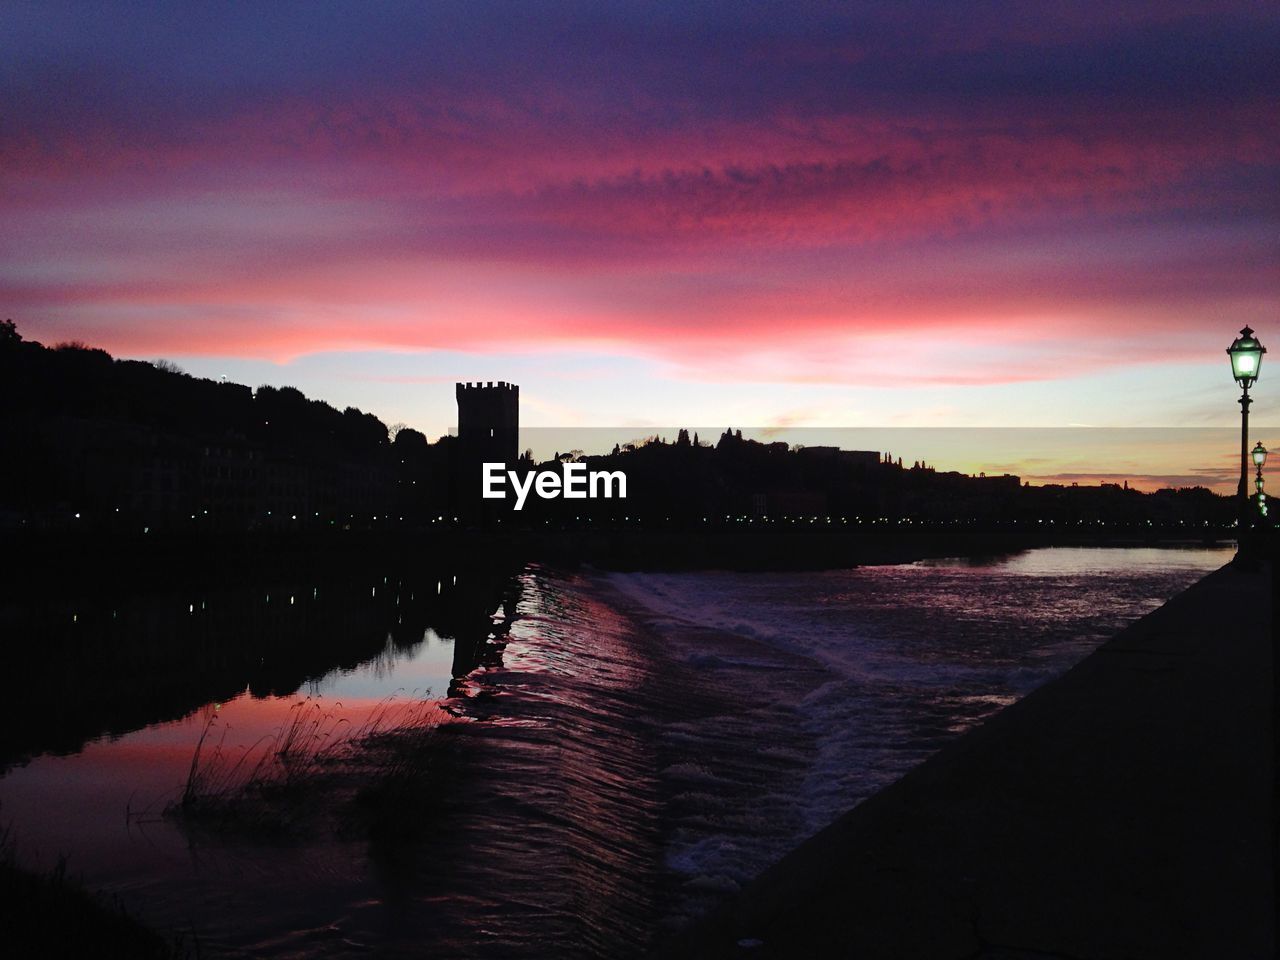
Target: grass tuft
{"x":317,"y":767}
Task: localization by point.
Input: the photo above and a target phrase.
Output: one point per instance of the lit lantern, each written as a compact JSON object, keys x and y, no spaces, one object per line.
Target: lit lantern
{"x":1246,"y":357}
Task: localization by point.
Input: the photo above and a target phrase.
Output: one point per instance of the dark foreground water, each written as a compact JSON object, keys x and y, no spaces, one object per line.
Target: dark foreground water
{"x":615,"y":753}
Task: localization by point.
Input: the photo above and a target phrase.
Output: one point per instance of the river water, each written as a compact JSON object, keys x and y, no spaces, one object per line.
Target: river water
{"x":613,"y":753}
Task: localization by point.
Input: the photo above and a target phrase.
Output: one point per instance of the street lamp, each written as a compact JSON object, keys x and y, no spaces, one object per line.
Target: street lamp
{"x":1246,"y":357}
{"x":1259,"y":458}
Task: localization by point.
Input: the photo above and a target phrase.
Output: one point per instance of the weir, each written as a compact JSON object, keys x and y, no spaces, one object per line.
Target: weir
{"x":1125,"y":809}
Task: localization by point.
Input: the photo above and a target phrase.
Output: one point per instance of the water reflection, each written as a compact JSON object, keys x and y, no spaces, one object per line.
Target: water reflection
{"x":88,"y":666}
{"x":116,"y":689}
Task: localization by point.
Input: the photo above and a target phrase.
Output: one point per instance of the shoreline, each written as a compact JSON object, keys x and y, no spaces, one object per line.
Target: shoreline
{"x":1123,"y":809}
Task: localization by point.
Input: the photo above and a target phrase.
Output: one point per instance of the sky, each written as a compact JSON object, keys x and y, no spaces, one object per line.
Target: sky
{"x":779,"y":215}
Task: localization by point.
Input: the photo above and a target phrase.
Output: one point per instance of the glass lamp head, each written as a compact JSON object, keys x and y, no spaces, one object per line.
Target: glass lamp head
{"x":1246,"y":357}
{"x":1259,"y":455}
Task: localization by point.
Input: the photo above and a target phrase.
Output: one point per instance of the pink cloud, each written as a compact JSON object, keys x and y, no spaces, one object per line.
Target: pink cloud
{"x":787,"y":246}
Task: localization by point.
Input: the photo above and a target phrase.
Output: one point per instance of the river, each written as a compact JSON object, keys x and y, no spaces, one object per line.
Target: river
{"x":609,"y":755}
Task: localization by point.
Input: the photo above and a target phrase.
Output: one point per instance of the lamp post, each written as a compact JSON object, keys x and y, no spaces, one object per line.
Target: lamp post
{"x":1259,"y":458}
{"x":1246,"y":357}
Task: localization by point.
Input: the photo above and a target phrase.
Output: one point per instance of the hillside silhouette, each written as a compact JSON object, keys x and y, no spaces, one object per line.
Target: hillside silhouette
{"x":95,"y":443}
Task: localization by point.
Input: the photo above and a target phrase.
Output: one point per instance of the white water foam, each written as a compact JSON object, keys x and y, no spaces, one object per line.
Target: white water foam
{"x":906,"y":657}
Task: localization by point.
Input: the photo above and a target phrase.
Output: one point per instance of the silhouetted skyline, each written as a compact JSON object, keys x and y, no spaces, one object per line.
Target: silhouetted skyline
{"x":97,"y":444}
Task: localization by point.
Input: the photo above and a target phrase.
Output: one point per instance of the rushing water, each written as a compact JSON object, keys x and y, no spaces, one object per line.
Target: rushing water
{"x":618,"y":751}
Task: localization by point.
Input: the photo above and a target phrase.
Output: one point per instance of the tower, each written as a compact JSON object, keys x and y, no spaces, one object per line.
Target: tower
{"x":489,"y":420}
{"x":488,"y":432}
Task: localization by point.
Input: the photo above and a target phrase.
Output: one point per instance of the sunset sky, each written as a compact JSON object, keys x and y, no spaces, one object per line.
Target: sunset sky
{"x":653,"y":214}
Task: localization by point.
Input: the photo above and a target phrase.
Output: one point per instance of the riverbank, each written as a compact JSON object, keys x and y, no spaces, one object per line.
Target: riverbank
{"x":119,"y":560}
{"x":53,"y":916}
{"x":1123,"y":810}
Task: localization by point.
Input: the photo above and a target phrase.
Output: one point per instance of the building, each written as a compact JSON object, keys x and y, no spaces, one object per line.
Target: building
{"x":489,"y":421}
{"x":488,"y":432}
